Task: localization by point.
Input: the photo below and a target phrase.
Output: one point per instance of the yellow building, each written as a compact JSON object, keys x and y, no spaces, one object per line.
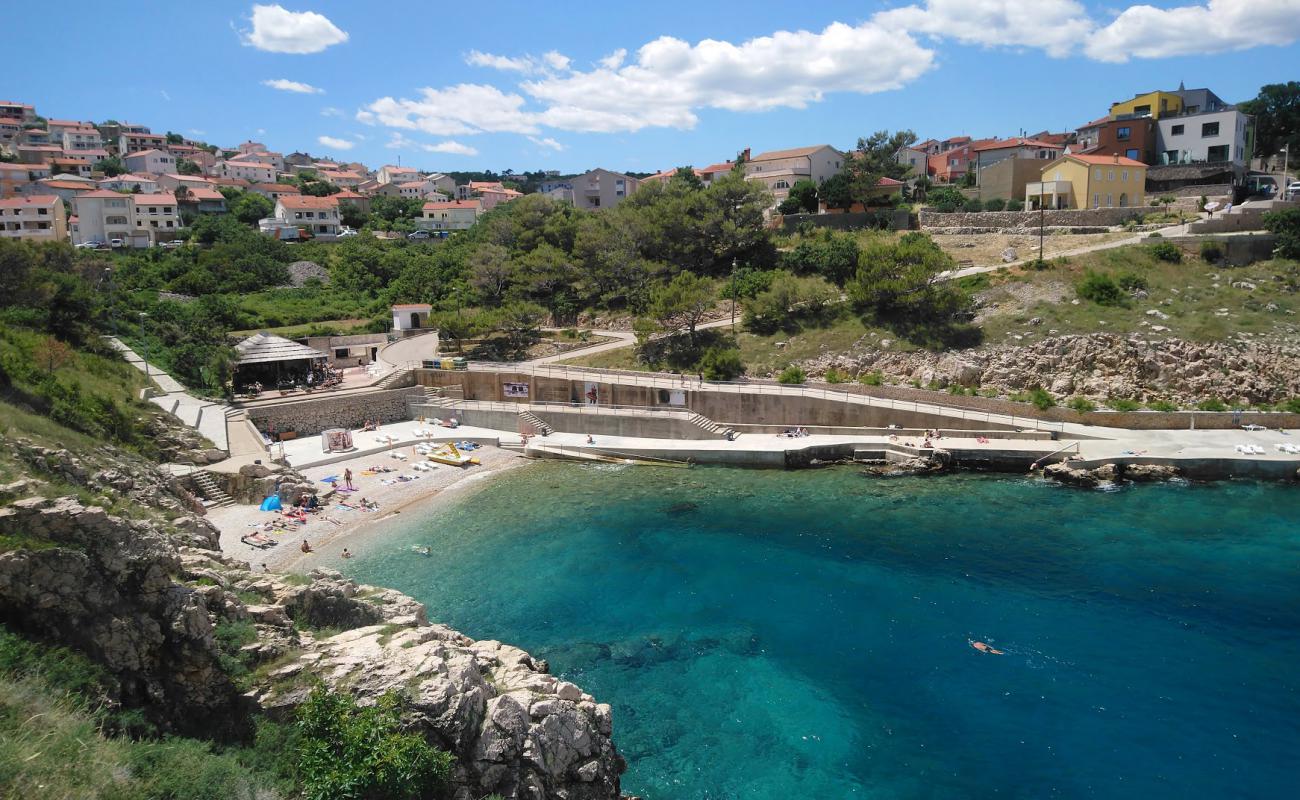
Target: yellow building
{"x":1152,"y":104}
{"x":1074,"y":181}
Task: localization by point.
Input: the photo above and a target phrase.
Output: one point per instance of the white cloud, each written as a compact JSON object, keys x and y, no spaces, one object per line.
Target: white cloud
{"x":549,"y":62}
{"x":547,"y":143}
{"x":277,"y":30}
{"x":615,"y":59}
{"x":1218,"y":26}
{"x":331,"y":111}
{"x":464,"y":109}
{"x":669,"y":78}
{"x":285,"y":85}
{"x":197,"y":132}
{"x":450,"y":146}
{"x":335,"y":143}
{"x":400,"y":142}
{"x":1055,"y":26}
{"x":164,"y":94}
{"x":556,"y":60}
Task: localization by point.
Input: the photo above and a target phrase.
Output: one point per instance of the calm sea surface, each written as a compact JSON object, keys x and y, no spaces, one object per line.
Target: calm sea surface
{"x":765,"y":635}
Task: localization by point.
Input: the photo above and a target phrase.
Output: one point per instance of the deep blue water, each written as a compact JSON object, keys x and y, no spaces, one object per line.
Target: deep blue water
{"x":766,"y":634}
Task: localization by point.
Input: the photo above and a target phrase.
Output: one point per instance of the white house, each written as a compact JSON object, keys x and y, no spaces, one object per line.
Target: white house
{"x":102,"y":216}
{"x":82,"y":137}
{"x":151,"y":162}
{"x":251,"y":171}
{"x":267,"y":157}
{"x":1214,"y":136}
{"x":172,"y":181}
{"x":129,"y":143}
{"x":319,"y":216}
{"x":128,"y":182}
{"x":778,"y":170}
{"x":411,"y":316}
{"x":157,"y":218}
{"x":391,"y":174}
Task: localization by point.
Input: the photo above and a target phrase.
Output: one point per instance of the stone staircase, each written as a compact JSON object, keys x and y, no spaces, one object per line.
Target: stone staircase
{"x":213,"y":496}
{"x":530,"y":419}
{"x":394,"y":379}
{"x":709,"y":426}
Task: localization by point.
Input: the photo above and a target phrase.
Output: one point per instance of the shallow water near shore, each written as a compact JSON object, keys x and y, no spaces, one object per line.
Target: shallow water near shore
{"x":767,"y":634}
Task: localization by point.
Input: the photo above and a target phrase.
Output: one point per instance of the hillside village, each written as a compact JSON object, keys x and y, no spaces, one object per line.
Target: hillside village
{"x":119,"y":184}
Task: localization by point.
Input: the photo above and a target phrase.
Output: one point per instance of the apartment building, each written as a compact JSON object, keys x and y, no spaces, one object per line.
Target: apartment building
{"x":990,"y":153}
{"x":251,"y":171}
{"x":444,"y":216}
{"x":102,"y":216}
{"x":599,"y":188}
{"x":150,"y":162}
{"x":391,"y":174}
{"x":130,"y":182}
{"x":781,"y":169}
{"x":274,"y":191}
{"x":128,"y":143}
{"x":1220,"y":136}
{"x":318,"y":216}
{"x":21,"y":111}
{"x":157,"y":218}
{"x":37,"y":218}
{"x":81,"y":137}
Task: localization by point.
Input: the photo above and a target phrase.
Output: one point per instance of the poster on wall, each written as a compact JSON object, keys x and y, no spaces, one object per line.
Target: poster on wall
{"x":591,"y":392}
{"x":510,"y":389}
{"x":677,"y":397}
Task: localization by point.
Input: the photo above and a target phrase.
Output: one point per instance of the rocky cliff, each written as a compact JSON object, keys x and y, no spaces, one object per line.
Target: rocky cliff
{"x":124,"y":569}
{"x":1096,"y":366}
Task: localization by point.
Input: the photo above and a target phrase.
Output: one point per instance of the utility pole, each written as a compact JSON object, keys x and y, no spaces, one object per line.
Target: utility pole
{"x":1041,"y":211}
{"x":733,"y":297}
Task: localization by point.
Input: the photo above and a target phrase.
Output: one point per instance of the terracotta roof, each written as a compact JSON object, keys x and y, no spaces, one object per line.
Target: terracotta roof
{"x":1016,"y":142}
{"x":144,"y":135}
{"x":1103,"y":160}
{"x":43,"y":148}
{"x":410,"y":184}
{"x":128,"y":177}
{"x":240,"y":182}
{"x":347,"y":194}
{"x":31,"y":200}
{"x":155,"y":199}
{"x":149,"y":152}
{"x":203,"y":193}
{"x":17,"y":167}
{"x":307,"y":201}
{"x":1094,"y":123}
{"x":485,"y":185}
{"x":772,"y":155}
{"x":436,"y":205}
{"x":885,"y":181}
{"x":53,"y":184}
{"x":100,"y":194}
{"x":282,"y":188}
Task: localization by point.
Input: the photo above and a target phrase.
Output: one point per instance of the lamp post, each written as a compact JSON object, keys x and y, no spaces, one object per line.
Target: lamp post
{"x":1042,"y":202}
{"x":1286,"y":179}
{"x":733,"y":297}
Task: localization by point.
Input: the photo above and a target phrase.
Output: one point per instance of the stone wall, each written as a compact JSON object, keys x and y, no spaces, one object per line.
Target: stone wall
{"x":1090,"y":217}
{"x":308,"y":417}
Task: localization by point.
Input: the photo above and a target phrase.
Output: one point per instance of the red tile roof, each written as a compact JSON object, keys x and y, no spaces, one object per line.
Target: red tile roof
{"x":307,"y":201}
{"x":281,"y":188}
{"x":149,"y":152}
{"x":437,"y":205}
{"x":1017,"y":142}
{"x":31,"y":200}
{"x":100,"y":194}
{"x":155,"y":199}
{"x":53,"y":184}
{"x":203,"y":193}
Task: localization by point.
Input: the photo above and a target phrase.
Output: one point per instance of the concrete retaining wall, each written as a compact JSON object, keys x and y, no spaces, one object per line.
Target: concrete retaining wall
{"x":1029,"y":219}
{"x":597,"y":422}
{"x":307,"y":417}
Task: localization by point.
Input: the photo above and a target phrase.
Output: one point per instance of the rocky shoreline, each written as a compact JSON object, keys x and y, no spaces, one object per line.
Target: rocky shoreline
{"x":128,"y":571}
{"x":1099,"y":367}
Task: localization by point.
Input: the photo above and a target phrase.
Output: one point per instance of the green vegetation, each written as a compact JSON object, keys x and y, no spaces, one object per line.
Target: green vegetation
{"x":873,"y":378}
{"x":1211,"y":251}
{"x":721,"y":364}
{"x":1162,"y":405}
{"x":1166,"y":251}
{"x":1211,"y":404}
{"x":1081,"y":404}
{"x":1285,"y":224}
{"x":792,"y":374}
{"x":1123,"y":404}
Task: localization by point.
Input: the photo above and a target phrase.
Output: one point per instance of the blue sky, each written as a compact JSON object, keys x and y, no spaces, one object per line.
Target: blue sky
{"x":627,"y":86}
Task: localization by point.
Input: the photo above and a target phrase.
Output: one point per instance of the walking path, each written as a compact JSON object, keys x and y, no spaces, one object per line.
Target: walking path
{"x":208,"y":417}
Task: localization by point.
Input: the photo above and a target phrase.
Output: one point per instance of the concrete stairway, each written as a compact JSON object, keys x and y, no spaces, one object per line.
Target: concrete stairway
{"x":530,"y":419}
{"x":213,"y":496}
{"x":393,"y":379}
{"x":705,"y":424}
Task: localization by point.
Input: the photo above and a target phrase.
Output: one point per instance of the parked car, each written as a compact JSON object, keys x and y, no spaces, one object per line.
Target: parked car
{"x":117,"y":243}
{"x":86,"y":245}
{"x":414,"y":235}
{"x":345,"y":233}
{"x":173,"y":244}
{"x":1293,"y":190}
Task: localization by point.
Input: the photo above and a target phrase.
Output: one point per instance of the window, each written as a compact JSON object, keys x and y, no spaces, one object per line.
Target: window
{"x":1123,"y":175}
{"x":1217,"y":153}
{"x":1109,"y":200}
{"x":1096,"y":201}
{"x":1096,"y":174}
{"x":1142,"y":111}
{"x":1190,"y":110}
{"x":1209,"y":129}
{"x":1123,"y":201}
{"x":1123,"y":134}
{"x":341,"y":352}
{"x":1133,"y":154}
{"x":1111,"y":175}
{"x":781,"y":185}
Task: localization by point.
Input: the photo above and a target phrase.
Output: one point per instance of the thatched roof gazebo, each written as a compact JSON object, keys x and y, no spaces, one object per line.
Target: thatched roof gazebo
{"x":270,"y":359}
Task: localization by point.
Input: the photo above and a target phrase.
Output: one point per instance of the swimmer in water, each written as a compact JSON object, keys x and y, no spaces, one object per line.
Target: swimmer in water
{"x":986,"y":648}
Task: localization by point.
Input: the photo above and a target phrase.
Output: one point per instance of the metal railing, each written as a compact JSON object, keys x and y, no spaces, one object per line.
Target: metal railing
{"x":669,"y":381}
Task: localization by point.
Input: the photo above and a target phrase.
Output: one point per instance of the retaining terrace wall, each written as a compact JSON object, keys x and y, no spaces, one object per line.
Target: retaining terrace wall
{"x":1091,"y":217}
{"x":309,"y":416}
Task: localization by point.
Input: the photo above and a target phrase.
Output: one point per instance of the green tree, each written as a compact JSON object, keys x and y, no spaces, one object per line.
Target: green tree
{"x":788,"y":300}
{"x":802,"y":198}
{"x":876,"y":157}
{"x":898,"y":285}
{"x":945,"y":199}
{"x":687,"y":176}
{"x":491,"y":273}
{"x":249,"y":207}
{"x":186,"y":167}
{"x":837,"y":191}
{"x":833,"y":256}
{"x":347,"y":752}
{"x":1285,"y":225}
{"x":1277,"y":118}
{"x":683,"y":303}
{"x":721,"y":364}
{"x":350,"y":214}
{"x":111,"y":166}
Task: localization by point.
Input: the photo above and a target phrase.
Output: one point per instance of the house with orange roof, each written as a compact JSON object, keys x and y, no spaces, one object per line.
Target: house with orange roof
{"x":201,"y":200}
{"x":251,"y":171}
{"x":13,"y":177}
{"x":10,"y":127}
{"x":361,"y":201}
{"x":318,"y":217}
{"x":1089,"y":181}
{"x":342,"y":178}
{"x":64,"y":186}
{"x":274,"y":191}
{"x":135,"y":220}
{"x":444,"y":216}
{"x":128,"y":182}
{"x":779,"y":170}
{"x":23,"y":111}
{"x":38,"y":153}
{"x":491,"y":198}
{"x":267,"y":157}
{"x":37,"y":218}
{"x":990,"y":153}
{"x":157,"y":218}
{"x":71,"y":166}
{"x":78,"y":136}
{"x":171,"y":181}
{"x":392,"y":174}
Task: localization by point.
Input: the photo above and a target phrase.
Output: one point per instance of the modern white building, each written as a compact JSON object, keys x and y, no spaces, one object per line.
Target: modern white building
{"x":1206,"y":137}
{"x":82,"y":137}
{"x":129,"y":143}
{"x":102,"y":216}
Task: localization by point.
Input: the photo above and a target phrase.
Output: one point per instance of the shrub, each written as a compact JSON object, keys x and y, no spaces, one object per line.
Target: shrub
{"x":1211,"y":404}
{"x":834,"y":375}
{"x":792,"y":374}
{"x":1081,"y":404}
{"x":972,"y":205}
{"x":1041,"y":399}
{"x":1131,"y":282}
{"x":1211,"y":251}
{"x":946,"y":200}
{"x":995,"y":204}
{"x":1123,"y":404}
{"x":1015,"y":205}
{"x":1285,"y":225}
{"x":1100,"y":289}
{"x":351,"y":752}
{"x":1292,"y":405}
{"x":873,"y":378}
{"x":1166,"y":251}
{"x":721,"y":364}
{"x":1162,"y":405}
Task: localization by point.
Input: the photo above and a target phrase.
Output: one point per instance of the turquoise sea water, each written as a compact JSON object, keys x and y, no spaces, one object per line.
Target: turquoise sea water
{"x":765,"y":634}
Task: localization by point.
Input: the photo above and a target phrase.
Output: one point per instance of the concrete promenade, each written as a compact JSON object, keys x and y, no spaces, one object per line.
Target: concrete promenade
{"x":208,"y":417}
